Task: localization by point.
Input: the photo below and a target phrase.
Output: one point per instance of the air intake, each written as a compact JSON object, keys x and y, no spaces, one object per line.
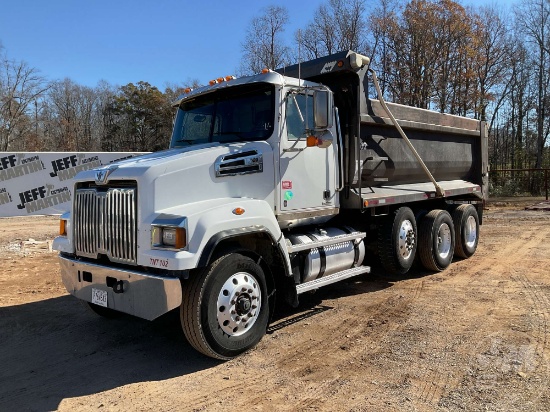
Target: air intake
{"x":242,"y":163}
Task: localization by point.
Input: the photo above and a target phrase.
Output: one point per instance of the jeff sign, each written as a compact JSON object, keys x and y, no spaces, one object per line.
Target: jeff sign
{"x":40,"y":183}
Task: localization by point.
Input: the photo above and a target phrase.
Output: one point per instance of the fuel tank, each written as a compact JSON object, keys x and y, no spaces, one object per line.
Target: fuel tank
{"x":327,"y":260}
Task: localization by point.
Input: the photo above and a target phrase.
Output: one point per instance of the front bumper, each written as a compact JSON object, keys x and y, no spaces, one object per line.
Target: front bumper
{"x":143,"y":295}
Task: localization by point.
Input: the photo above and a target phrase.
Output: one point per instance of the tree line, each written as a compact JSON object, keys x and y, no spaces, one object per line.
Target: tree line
{"x":61,"y":115}
{"x":435,"y":54}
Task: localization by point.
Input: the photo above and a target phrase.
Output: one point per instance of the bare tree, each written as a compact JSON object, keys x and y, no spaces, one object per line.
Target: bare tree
{"x":337,"y":25}
{"x":378,"y":23}
{"x":533,"y":20}
{"x":20,"y":87}
{"x":263,"y":46}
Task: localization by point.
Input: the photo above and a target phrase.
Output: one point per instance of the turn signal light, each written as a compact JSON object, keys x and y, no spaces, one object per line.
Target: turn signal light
{"x":181,"y":238}
{"x":312,"y":141}
{"x":63,"y":227}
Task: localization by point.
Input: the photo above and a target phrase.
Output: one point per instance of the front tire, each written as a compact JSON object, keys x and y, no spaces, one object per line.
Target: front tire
{"x":436,"y":240}
{"x":225,"y":307}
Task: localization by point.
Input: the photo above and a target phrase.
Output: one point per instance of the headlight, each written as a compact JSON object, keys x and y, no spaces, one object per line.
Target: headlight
{"x":169,"y":232}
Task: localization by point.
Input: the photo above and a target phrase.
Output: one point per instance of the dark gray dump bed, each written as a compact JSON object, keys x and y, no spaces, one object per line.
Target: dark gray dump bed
{"x":453,"y":148}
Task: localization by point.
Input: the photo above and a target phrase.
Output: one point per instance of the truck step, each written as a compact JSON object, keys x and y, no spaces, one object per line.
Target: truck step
{"x":335,"y":277}
{"x":326,"y":242}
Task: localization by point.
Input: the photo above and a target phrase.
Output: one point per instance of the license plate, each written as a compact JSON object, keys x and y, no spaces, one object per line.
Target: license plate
{"x":99,"y":297}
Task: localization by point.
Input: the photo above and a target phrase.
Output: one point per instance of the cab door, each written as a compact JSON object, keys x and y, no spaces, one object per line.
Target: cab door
{"x":307,"y":174}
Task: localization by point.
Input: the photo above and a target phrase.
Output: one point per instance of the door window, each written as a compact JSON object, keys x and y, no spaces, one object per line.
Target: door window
{"x":299,"y":115}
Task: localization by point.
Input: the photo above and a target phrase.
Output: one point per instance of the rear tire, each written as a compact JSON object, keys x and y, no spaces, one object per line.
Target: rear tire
{"x":397,"y":242}
{"x":466,"y":225}
{"x":436,"y":240}
{"x":225,"y":308}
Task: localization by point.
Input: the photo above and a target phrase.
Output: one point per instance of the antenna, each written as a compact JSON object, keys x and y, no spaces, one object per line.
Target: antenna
{"x":299,"y":57}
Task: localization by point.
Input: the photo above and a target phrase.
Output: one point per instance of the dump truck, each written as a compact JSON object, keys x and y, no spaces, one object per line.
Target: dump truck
{"x":274,"y":185}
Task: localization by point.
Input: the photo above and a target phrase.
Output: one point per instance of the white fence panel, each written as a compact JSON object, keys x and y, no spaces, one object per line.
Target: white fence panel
{"x":41,"y":183}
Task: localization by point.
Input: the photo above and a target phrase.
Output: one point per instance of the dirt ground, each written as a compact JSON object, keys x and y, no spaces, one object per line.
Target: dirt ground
{"x":475,"y":337}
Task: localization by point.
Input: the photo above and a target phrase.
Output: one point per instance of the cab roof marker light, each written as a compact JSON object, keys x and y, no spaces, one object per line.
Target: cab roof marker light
{"x":228,"y":78}
{"x":265,"y":71}
{"x":220,"y":79}
{"x":212,"y":82}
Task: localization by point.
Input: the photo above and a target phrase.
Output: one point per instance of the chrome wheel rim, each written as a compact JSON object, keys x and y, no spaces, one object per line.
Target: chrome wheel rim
{"x":407,"y":239}
{"x":470,"y":232}
{"x":239,"y":303}
{"x":444,"y":241}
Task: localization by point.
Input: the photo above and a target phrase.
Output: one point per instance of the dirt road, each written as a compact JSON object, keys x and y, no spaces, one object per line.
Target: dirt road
{"x":474,"y":337}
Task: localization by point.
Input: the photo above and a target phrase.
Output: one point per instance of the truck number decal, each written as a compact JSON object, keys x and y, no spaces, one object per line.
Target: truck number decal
{"x":161,"y":263}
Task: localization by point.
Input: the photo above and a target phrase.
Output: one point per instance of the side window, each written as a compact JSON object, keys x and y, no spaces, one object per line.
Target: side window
{"x":299,"y":115}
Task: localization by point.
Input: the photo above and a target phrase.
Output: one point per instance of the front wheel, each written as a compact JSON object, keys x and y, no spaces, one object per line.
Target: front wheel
{"x":225,"y":307}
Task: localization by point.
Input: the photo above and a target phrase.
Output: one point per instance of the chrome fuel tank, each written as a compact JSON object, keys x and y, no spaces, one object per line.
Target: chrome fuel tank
{"x":327,"y":260}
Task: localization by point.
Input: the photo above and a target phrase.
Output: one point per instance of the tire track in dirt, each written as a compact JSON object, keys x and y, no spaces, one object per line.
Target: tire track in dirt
{"x":345,"y":342}
{"x":431,"y":388}
{"x":541,"y":309}
{"x":497,"y":351}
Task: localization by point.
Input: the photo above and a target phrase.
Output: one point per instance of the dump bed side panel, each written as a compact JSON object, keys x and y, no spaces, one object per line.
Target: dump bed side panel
{"x":448,"y":145}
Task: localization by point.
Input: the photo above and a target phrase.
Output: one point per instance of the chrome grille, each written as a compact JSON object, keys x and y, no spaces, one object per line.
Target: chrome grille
{"x":105,"y":223}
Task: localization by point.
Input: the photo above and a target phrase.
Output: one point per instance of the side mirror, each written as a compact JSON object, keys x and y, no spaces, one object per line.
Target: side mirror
{"x":322,"y":115}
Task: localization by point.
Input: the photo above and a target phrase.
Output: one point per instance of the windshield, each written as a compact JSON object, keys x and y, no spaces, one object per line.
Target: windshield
{"x":233,"y":114}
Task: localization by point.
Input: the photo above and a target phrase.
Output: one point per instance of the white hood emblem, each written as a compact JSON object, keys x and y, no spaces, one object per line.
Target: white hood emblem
{"x":102,"y":175}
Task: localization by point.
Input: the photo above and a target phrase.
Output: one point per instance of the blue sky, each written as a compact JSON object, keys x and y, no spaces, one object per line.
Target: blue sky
{"x":122,"y":41}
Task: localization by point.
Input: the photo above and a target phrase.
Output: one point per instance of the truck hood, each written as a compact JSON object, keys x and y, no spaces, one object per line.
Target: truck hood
{"x":180,"y":176}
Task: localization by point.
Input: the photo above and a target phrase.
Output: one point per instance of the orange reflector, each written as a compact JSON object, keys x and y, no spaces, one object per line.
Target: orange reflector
{"x":212,"y":82}
{"x":266,"y":70}
{"x":365,"y":203}
{"x":311,"y":141}
{"x":340,"y":63}
{"x":181,"y":238}
{"x":63,"y":227}
{"x":238,"y":211}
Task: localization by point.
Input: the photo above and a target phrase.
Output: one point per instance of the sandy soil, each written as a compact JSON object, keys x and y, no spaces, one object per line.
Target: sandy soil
{"x":475,"y":337}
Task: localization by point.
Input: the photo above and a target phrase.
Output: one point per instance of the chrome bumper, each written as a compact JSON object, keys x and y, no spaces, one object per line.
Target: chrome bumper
{"x":139,"y":294}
